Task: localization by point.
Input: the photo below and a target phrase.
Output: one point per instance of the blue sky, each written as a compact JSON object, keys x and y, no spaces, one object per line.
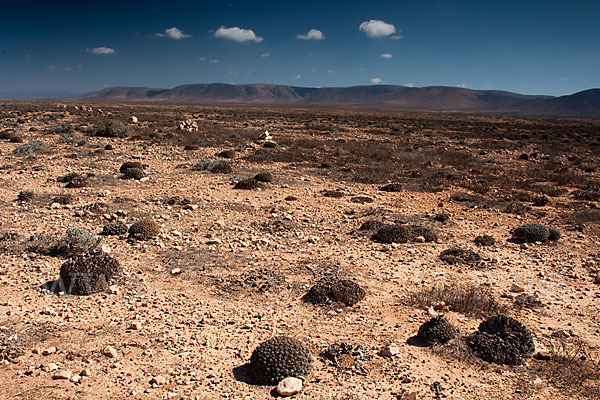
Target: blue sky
{"x":533,"y":47}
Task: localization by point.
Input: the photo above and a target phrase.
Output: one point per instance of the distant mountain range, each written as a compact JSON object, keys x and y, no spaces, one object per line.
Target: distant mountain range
{"x":433,"y":98}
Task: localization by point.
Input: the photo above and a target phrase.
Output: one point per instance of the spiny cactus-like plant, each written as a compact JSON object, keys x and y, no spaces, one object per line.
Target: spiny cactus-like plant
{"x":89,"y":273}
{"x":371,"y":225}
{"x":133,"y":173}
{"x":130,"y":164}
{"x":436,"y":331}
{"x":280,"y":357}
{"x":144,"y":229}
{"x":266,"y":177}
{"x":502,"y":340}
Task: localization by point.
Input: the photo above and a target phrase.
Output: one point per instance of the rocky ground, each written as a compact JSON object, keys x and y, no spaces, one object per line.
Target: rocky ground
{"x":230,"y":267}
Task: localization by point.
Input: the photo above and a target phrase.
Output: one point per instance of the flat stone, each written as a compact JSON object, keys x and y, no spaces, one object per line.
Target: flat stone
{"x":135,"y":326}
{"x":516,"y":288}
{"x":62,"y":375}
{"x":49,"y":350}
{"x":289,"y":386}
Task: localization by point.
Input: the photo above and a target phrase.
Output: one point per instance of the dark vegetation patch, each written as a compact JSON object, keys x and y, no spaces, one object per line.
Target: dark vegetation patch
{"x":371,"y":225}
{"x":248,"y":184}
{"x":460,"y":256}
{"x":63,"y":199}
{"x":501,"y":339}
{"x":25,"y":196}
{"x":333,"y":290}
{"x":403,"y":234}
{"x":535,"y":232}
{"x":130,"y":164}
{"x":89,"y":273}
{"x":226,"y":154}
{"x":114,"y":229}
{"x":485,"y":240}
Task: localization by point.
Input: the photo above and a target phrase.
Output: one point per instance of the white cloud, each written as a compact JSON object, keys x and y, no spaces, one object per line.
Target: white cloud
{"x":298,"y":76}
{"x":52,"y":66}
{"x":462,"y":85}
{"x":237,"y":34}
{"x":67,"y":69}
{"x":174,"y":33}
{"x":100,"y":50}
{"x":409,"y":84}
{"x":313,"y":34}
{"x":386,"y":55}
{"x":265,"y":55}
{"x":397,"y":37}
{"x":213,"y":61}
{"x":375,"y":80}
{"x":375,"y":28}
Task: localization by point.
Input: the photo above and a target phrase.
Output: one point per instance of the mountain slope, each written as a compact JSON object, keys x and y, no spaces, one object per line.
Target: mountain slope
{"x":433,"y":98}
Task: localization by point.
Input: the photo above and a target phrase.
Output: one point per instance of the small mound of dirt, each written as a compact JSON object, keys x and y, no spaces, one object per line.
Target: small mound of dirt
{"x":392,"y":187}
{"x":333,"y":193}
{"x":361,"y":200}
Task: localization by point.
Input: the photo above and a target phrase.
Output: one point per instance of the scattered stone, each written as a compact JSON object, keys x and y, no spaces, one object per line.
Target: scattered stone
{"x":158,"y":380}
{"x":133,"y":119}
{"x":48,"y":351}
{"x":289,"y":386}
{"x":86,"y":372}
{"x":517,"y":288}
{"x":135,"y":326}
{"x":390,"y":350}
{"x":110,"y":352}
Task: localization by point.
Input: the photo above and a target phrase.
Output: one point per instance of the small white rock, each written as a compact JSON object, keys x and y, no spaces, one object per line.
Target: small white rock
{"x":110,"y":352}
{"x":289,"y":386}
{"x":390,"y":350}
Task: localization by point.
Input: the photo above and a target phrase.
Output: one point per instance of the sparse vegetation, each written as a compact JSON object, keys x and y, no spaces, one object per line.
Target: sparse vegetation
{"x":114,"y":229}
{"x":403,"y":234}
{"x":109,"y":128}
{"x":266,"y":177}
{"x":466,"y":299}
{"x":530,"y":233}
{"x":35,"y":146}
